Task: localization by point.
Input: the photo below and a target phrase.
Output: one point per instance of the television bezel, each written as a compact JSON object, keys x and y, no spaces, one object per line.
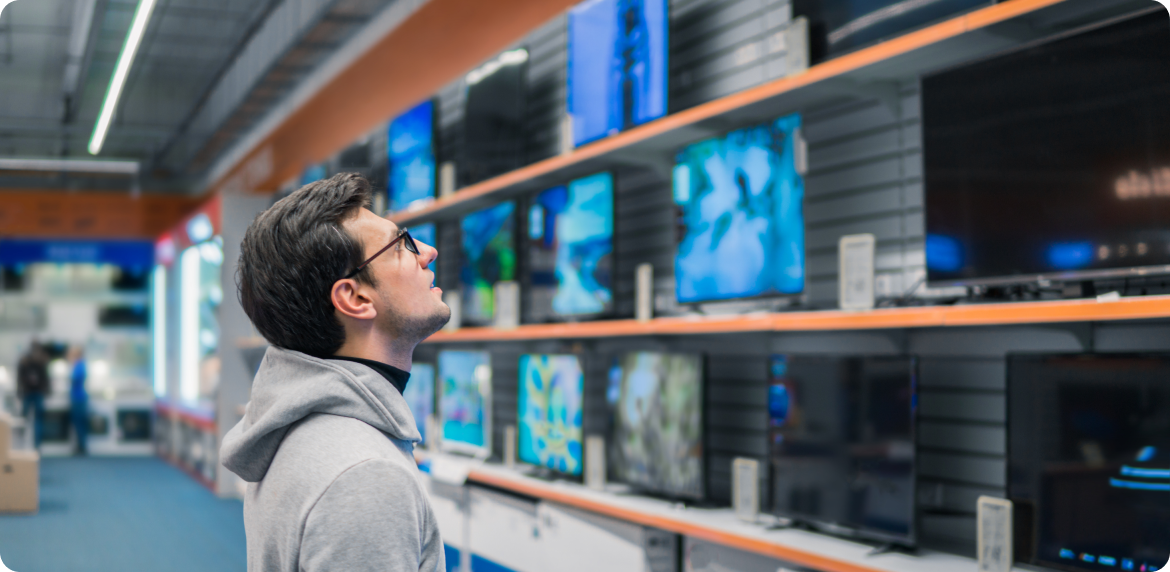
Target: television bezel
{"x":434,"y":153}
{"x":849,"y":530}
{"x":704,"y":456}
{"x":666,"y":13}
{"x":1030,"y":277}
{"x":678,"y":235}
{"x":519,"y":271}
{"x":447,"y":445}
{"x":1033,"y":532}
{"x":526,"y":270}
{"x":580,"y":475}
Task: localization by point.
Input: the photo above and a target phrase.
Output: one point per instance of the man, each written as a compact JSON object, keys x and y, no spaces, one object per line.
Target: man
{"x":326,"y":443}
{"x":78,"y":399}
{"x":32,"y":385}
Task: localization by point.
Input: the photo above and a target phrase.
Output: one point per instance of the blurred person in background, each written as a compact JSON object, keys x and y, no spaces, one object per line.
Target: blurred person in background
{"x":78,"y":399}
{"x":32,"y":385}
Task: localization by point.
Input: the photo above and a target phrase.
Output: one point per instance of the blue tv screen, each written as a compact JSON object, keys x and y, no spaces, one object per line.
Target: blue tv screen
{"x":412,"y":157}
{"x":741,"y":218}
{"x":550,"y":413}
{"x":420,"y":395}
{"x":313,"y":173}
{"x":489,"y":256}
{"x":617,"y":65}
{"x":464,"y":398}
{"x":570,"y":237}
{"x":425,"y":233}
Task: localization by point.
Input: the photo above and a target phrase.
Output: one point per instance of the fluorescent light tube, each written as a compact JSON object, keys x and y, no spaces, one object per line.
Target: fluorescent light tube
{"x":118,"y":80}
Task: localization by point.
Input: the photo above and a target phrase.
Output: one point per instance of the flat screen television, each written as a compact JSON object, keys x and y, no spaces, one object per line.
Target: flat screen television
{"x":426,"y":233}
{"x":570,"y":250}
{"x":494,"y":117}
{"x":1051,"y":162}
{"x":489,"y":256}
{"x":839,"y":26}
{"x":741,"y":220}
{"x":656,"y":438}
{"x":842,"y":444}
{"x":1089,"y":459}
{"x":420,"y":395}
{"x":465,"y":381}
{"x":313,"y":173}
{"x":617,"y":65}
{"x":411,"y":151}
{"x":550,"y":412}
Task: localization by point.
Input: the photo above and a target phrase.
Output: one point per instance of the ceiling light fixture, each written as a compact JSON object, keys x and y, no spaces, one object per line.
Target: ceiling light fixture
{"x":4,"y":4}
{"x":69,"y":165}
{"x":118,"y":80}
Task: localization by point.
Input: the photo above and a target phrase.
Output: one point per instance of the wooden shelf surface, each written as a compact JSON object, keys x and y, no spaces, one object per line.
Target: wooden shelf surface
{"x":720,"y":526}
{"x":906,"y":56}
{"x":1133,"y":308}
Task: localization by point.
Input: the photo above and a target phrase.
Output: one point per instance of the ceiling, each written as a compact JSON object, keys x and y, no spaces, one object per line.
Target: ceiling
{"x":205,"y":73}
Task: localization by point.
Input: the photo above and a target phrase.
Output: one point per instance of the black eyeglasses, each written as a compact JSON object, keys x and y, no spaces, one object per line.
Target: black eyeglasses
{"x":406,"y":239}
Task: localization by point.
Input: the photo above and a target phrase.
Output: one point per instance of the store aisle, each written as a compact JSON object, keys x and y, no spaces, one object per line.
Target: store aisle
{"x":120,"y":514}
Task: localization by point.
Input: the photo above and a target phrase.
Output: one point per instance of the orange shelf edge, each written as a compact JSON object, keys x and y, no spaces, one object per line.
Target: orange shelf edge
{"x":725,"y":538}
{"x":1136,"y":308}
{"x":835,"y":67}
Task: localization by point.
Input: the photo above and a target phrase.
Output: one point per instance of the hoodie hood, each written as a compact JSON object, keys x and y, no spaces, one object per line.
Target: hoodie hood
{"x":290,"y":386}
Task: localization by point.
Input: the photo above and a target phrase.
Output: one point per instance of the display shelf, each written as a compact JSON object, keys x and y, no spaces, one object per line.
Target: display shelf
{"x":803,"y":548}
{"x":1134,"y":308}
{"x":869,"y":72}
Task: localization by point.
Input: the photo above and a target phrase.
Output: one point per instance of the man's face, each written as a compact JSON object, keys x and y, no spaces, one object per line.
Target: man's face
{"x":408,"y":304}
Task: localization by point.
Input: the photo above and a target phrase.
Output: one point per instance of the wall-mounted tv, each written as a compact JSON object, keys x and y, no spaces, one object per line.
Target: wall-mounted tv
{"x":411,"y":151}
{"x":465,"y":392}
{"x":489,"y":256}
{"x":839,"y":26}
{"x":1051,"y":162}
{"x":420,"y":395}
{"x":741,"y":219}
{"x":426,"y":233}
{"x":494,"y":117}
{"x":313,"y":173}
{"x":1089,"y":459}
{"x":842,"y":443}
{"x":570,"y":250}
{"x":617,"y":65}
{"x":550,"y":412}
{"x":656,"y":436}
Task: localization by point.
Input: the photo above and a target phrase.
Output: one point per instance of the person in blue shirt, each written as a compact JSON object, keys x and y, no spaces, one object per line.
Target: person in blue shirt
{"x":78,"y":399}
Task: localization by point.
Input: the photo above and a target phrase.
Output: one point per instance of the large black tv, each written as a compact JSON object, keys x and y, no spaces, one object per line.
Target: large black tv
{"x":1089,"y":459}
{"x":840,"y":26}
{"x":842,"y":440}
{"x":1052,"y":162}
{"x":493,"y":121}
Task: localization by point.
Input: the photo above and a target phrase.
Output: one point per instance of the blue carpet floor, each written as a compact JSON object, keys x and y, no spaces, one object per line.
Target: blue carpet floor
{"x":123,"y":515}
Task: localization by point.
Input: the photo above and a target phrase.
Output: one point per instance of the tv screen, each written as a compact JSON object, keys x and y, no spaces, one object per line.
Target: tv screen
{"x":1049,"y":162}
{"x":617,"y":65}
{"x":570,"y":250}
{"x":550,"y":412}
{"x":494,"y":117}
{"x":656,"y":441}
{"x":1089,"y":459}
{"x":313,"y":173}
{"x":839,"y":26}
{"x":412,"y":157}
{"x":465,"y":379}
{"x":842,"y":443}
{"x":426,"y":233}
{"x":741,"y":219}
{"x":420,"y":395}
{"x":489,"y":256}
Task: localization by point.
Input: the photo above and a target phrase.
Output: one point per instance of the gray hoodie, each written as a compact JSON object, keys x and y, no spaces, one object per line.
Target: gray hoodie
{"x":327,"y":449}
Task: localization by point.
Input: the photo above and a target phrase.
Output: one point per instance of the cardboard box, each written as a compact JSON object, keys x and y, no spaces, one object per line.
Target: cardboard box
{"x":5,"y":435}
{"x":19,"y":477}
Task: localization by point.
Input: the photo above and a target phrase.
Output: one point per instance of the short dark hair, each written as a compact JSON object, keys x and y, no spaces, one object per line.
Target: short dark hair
{"x":291,"y":256}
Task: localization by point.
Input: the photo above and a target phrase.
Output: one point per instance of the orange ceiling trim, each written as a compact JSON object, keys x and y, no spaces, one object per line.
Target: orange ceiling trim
{"x":38,"y":213}
{"x":440,"y":41}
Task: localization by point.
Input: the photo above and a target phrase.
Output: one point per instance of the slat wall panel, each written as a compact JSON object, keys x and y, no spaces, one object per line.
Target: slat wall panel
{"x":643,"y":233}
{"x":719,"y":48}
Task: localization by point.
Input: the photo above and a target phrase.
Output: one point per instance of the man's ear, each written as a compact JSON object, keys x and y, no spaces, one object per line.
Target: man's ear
{"x":351,"y":299}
